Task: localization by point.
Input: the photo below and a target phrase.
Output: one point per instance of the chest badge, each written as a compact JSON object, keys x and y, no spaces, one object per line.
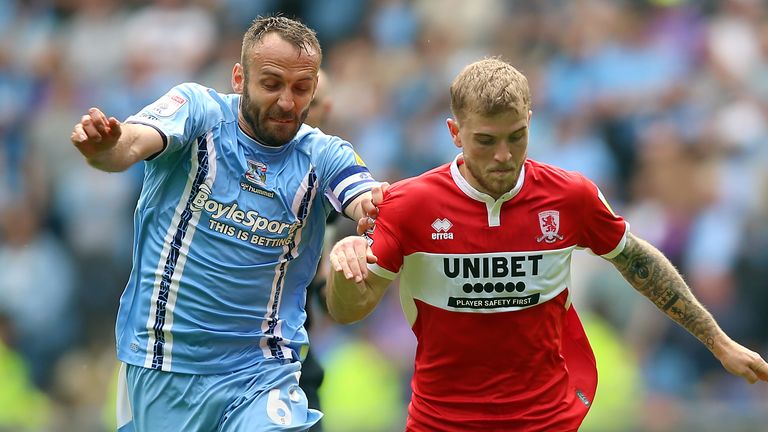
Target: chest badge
{"x":257,"y":173}
{"x":549,"y":222}
{"x":256,"y":179}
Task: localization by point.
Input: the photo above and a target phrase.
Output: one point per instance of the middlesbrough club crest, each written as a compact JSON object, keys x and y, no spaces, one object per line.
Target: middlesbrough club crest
{"x":549,"y":222}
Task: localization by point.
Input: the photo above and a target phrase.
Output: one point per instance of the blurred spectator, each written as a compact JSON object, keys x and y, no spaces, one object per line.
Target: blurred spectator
{"x":394,"y":25}
{"x":36,"y":289}
{"x":733,"y":41}
{"x":169,"y":39}
{"x":620,"y":385}
{"x":17,"y":90}
{"x":362,"y":391}
{"x":18,"y":395}
{"x":333,"y":20}
{"x":91,"y":212}
{"x":93,"y":42}
{"x":663,"y":102}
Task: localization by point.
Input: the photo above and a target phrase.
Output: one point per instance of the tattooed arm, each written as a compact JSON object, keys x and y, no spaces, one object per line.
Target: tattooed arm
{"x":651,"y":274}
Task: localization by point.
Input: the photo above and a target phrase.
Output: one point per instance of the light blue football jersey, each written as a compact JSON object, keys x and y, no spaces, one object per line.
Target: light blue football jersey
{"x":228,"y":234}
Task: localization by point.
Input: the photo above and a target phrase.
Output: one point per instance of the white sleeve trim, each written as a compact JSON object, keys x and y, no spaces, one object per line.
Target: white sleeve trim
{"x":619,"y":247}
{"x":333,"y":200}
{"x":382,"y":272}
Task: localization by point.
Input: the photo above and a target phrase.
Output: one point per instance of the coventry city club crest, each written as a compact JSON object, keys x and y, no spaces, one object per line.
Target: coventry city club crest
{"x":549,"y":222}
{"x":257,"y":173}
{"x":256,"y":179}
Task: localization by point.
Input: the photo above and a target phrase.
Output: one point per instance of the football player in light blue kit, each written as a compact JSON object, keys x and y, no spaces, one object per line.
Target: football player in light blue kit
{"x":228,"y":233}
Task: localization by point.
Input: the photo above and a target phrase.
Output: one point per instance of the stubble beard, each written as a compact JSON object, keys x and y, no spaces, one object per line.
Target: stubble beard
{"x":492,"y":186}
{"x":252,"y":116}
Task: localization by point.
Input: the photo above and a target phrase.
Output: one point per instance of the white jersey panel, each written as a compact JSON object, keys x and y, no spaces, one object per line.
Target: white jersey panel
{"x":486,"y":282}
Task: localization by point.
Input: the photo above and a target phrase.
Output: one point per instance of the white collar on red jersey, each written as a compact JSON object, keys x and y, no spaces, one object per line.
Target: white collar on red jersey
{"x":493,"y":205}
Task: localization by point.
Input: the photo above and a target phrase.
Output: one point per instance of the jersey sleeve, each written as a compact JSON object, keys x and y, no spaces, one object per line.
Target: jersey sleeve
{"x":384,"y":240}
{"x":179,"y":117}
{"x":347,"y":175}
{"x":604,"y":232}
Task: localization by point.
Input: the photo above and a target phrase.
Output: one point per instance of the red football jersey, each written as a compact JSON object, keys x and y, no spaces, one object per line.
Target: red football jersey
{"x":485,"y":284}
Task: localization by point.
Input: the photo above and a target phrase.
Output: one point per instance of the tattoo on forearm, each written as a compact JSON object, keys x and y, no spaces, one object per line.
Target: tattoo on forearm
{"x":650,"y":273}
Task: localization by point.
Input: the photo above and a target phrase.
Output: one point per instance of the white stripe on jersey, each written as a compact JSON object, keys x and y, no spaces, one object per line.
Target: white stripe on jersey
{"x":544,"y":274}
{"x":296,"y":205}
{"x":281,"y":269}
{"x":278,"y":332}
{"x":160,"y":270}
{"x":354,"y":178}
{"x":184,"y":252}
{"x":381,"y":271}
{"x":182,"y":259}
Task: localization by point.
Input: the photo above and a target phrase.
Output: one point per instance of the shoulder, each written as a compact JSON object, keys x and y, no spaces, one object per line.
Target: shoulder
{"x":413,"y":197}
{"x":312,"y":140}
{"x":547,"y":175}
{"x":205,"y":99}
{"x":572,"y":187}
{"x":193,"y":90}
{"x":421,"y":188}
{"x":330,"y":154}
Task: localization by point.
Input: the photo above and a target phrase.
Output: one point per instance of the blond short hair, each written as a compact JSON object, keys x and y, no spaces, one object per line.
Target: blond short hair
{"x":489,"y":87}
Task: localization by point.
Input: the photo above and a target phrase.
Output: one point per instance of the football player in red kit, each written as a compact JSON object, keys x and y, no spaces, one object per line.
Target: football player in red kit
{"x":483,"y":249}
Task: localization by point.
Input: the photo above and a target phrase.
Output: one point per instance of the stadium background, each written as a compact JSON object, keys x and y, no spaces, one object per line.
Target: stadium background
{"x":663,"y":103}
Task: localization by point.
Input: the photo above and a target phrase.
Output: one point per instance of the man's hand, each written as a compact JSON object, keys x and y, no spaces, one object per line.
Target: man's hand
{"x":371,"y":208}
{"x":350,"y":256}
{"x":95,"y":133}
{"x":353,"y":291}
{"x":742,"y":362}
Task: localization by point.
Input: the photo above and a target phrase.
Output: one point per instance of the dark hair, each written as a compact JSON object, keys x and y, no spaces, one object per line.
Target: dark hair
{"x":290,"y":30}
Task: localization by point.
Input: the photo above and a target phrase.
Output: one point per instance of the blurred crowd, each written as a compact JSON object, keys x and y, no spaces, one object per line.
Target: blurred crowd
{"x":663,"y":103}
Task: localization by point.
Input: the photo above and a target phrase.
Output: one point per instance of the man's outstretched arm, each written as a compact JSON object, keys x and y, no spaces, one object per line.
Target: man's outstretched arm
{"x":353,"y":291}
{"x":112,"y":146}
{"x":654,"y":276}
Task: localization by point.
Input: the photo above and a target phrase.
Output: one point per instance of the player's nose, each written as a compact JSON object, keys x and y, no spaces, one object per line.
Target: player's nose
{"x":285,"y":102}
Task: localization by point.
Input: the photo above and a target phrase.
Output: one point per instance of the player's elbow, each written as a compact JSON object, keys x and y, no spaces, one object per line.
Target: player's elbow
{"x":110,"y":162}
{"x":107,"y":167}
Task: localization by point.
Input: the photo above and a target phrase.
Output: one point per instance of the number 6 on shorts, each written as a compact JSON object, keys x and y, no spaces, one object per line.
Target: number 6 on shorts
{"x":277,"y":410}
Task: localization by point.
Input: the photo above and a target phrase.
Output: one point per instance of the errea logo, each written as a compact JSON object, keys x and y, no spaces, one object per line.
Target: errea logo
{"x":441,"y":227}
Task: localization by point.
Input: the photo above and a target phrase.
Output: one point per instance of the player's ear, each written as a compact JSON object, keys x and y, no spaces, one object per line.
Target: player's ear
{"x":317,"y":85}
{"x":238,"y":78}
{"x":453,"y":129}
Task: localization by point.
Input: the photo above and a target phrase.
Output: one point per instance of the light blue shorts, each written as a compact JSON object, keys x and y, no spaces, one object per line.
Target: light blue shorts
{"x":264,"y":397}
